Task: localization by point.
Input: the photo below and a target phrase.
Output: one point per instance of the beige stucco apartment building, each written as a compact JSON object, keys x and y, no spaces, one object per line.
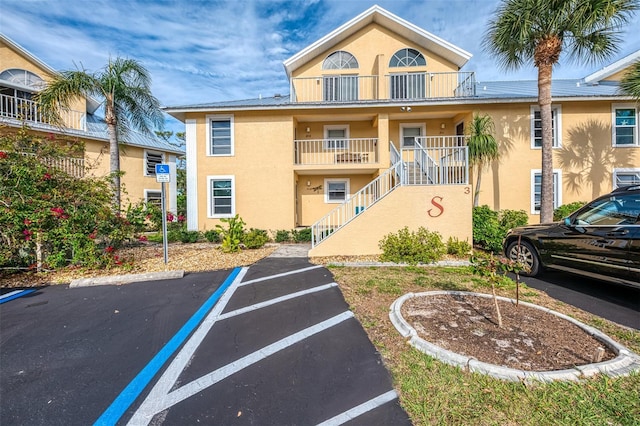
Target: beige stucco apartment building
{"x":22,"y":75}
{"x":371,"y":139}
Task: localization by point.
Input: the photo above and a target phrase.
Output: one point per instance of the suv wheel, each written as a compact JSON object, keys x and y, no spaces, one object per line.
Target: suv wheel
{"x":524,"y":253}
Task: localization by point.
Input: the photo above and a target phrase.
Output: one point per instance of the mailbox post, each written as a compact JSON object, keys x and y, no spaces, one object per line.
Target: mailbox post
{"x":163,"y":176}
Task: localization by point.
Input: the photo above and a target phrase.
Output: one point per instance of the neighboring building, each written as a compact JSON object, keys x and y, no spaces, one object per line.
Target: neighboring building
{"x":371,"y":138}
{"x":22,"y":75}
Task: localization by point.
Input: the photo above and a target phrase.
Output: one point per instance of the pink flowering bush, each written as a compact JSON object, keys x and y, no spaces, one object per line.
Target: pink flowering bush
{"x":70,"y":219}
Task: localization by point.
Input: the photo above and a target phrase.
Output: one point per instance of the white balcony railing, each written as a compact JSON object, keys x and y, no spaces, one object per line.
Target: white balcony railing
{"x":401,"y":86}
{"x":346,"y":152}
{"x":70,"y":165}
{"x":334,"y":88}
{"x":28,"y":110}
{"x":429,"y":85}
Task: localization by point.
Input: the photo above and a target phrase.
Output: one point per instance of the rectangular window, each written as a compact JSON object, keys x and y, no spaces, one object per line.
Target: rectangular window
{"x":153,"y":197}
{"x":625,"y":126}
{"x":221,"y":196}
{"x":220,"y":131}
{"x":625,"y":177}
{"x":336,"y":190}
{"x":408,"y":134}
{"x":151,"y":159}
{"x":407,"y":86}
{"x":336,"y":137}
{"x":536,"y":127}
{"x":536,"y":189}
{"x":340,"y":88}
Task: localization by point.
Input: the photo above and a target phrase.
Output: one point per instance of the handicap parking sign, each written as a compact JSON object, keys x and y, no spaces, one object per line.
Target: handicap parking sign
{"x":162,"y":173}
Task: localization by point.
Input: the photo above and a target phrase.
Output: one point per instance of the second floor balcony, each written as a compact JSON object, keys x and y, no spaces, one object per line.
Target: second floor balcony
{"x":400,"y":86}
{"x":16,"y":108}
{"x":336,"y":152}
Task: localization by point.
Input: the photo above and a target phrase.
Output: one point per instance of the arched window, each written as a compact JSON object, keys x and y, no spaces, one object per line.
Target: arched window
{"x":340,"y":60}
{"x":22,"y":77}
{"x":407,"y":58}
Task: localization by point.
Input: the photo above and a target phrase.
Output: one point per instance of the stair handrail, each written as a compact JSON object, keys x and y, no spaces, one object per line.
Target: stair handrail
{"x":421,"y":156}
{"x":366,"y":197}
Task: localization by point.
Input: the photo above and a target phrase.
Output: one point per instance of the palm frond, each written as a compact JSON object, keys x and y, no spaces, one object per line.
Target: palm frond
{"x":630,"y":83}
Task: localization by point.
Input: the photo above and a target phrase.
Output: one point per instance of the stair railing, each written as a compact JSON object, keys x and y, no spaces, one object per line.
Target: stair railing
{"x":356,"y":204}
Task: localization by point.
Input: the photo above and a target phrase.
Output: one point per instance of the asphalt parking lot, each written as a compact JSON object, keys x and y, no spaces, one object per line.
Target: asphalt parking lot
{"x":277,"y":347}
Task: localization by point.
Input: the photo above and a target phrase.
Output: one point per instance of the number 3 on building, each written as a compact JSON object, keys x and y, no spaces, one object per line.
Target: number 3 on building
{"x":467,"y":190}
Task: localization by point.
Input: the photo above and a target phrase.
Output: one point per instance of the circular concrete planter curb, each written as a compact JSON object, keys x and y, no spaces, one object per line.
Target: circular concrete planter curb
{"x":125,"y":279}
{"x":623,"y":364}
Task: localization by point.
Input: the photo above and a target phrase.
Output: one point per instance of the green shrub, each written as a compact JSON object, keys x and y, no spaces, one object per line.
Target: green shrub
{"x":232,"y":235}
{"x":411,"y":247}
{"x":458,"y":248}
{"x":255,"y":238}
{"x":490,"y":227}
{"x":302,"y":235}
{"x":566,"y":209}
{"x":189,"y":236}
{"x":282,"y":236}
{"x":212,"y":236}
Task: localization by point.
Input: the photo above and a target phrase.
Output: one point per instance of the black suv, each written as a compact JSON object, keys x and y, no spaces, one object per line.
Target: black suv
{"x":601,"y":240}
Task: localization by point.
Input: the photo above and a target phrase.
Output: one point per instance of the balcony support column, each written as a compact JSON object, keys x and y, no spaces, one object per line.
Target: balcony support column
{"x":383,"y":141}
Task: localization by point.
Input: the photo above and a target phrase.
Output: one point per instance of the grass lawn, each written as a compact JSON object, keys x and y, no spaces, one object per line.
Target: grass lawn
{"x":435,"y":393}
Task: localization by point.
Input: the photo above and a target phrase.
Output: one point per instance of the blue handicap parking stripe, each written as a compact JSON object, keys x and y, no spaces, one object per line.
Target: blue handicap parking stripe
{"x":118,"y":407}
{"x":14,"y":295}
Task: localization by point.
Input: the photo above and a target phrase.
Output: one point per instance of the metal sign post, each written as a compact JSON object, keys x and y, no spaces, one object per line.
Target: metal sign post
{"x":162,"y":175}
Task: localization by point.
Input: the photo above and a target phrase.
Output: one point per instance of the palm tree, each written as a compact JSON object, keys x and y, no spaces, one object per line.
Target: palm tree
{"x":630,"y":83}
{"x":538,"y":32}
{"x":124,"y":86}
{"x":482,"y":145}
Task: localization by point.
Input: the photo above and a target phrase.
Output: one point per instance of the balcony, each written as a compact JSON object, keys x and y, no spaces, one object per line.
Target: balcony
{"x":403,"y":86}
{"x":70,"y":165}
{"x":338,"y":152}
{"x":21,"y":109}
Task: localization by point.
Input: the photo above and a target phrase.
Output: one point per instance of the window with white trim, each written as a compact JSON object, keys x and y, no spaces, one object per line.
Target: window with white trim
{"x":408,"y":133}
{"x":625,"y":177}
{"x":336,"y":137}
{"x":536,"y":189}
{"x":336,"y":190}
{"x":220,"y":134}
{"x":407,"y":57}
{"x":625,"y":125}
{"x":153,"y":197}
{"x":221,"y":198}
{"x":340,"y":60}
{"x":152,"y":158}
{"x":536,"y":126}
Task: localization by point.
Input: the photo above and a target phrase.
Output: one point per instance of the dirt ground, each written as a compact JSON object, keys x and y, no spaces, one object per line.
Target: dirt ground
{"x":530,"y":339}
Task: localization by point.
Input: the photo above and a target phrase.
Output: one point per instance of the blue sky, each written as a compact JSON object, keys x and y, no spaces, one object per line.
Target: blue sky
{"x":201,"y":51}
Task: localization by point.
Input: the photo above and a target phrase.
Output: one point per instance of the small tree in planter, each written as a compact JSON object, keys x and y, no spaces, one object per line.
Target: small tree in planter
{"x":493,"y":269}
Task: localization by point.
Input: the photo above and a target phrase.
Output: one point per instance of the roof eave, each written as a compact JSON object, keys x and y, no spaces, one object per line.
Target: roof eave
{"x":613,"y":68}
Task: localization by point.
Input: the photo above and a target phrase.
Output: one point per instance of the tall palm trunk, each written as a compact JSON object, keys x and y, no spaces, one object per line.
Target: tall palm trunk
{"x":114,"y":156}
{"x":544,"y":101}
{"x":476,"y":195}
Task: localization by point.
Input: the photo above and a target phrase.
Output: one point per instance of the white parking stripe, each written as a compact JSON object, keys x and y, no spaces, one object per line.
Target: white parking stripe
{"x":160,"y":397}
{"x":274,"y":301}
{"x":360,"y":409}
{"x":284,"y":274}
{"x":148,"y":408}
{"x":222,"y":373}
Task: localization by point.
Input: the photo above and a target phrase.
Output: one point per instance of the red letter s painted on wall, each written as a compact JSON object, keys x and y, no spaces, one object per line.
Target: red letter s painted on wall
{"x":437,"y":205}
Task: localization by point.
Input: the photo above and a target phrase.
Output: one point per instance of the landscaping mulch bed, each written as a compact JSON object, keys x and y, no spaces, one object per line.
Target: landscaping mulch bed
{"x":530,"y":339}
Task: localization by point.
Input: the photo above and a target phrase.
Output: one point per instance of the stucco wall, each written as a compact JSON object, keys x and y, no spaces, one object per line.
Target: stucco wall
{"x":445,"y":209}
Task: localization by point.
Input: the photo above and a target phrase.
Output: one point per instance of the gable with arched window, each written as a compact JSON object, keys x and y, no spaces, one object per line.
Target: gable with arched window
{"x":407,"y":85}
{"x":16,"y":89}
{"x":340,"y":87}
